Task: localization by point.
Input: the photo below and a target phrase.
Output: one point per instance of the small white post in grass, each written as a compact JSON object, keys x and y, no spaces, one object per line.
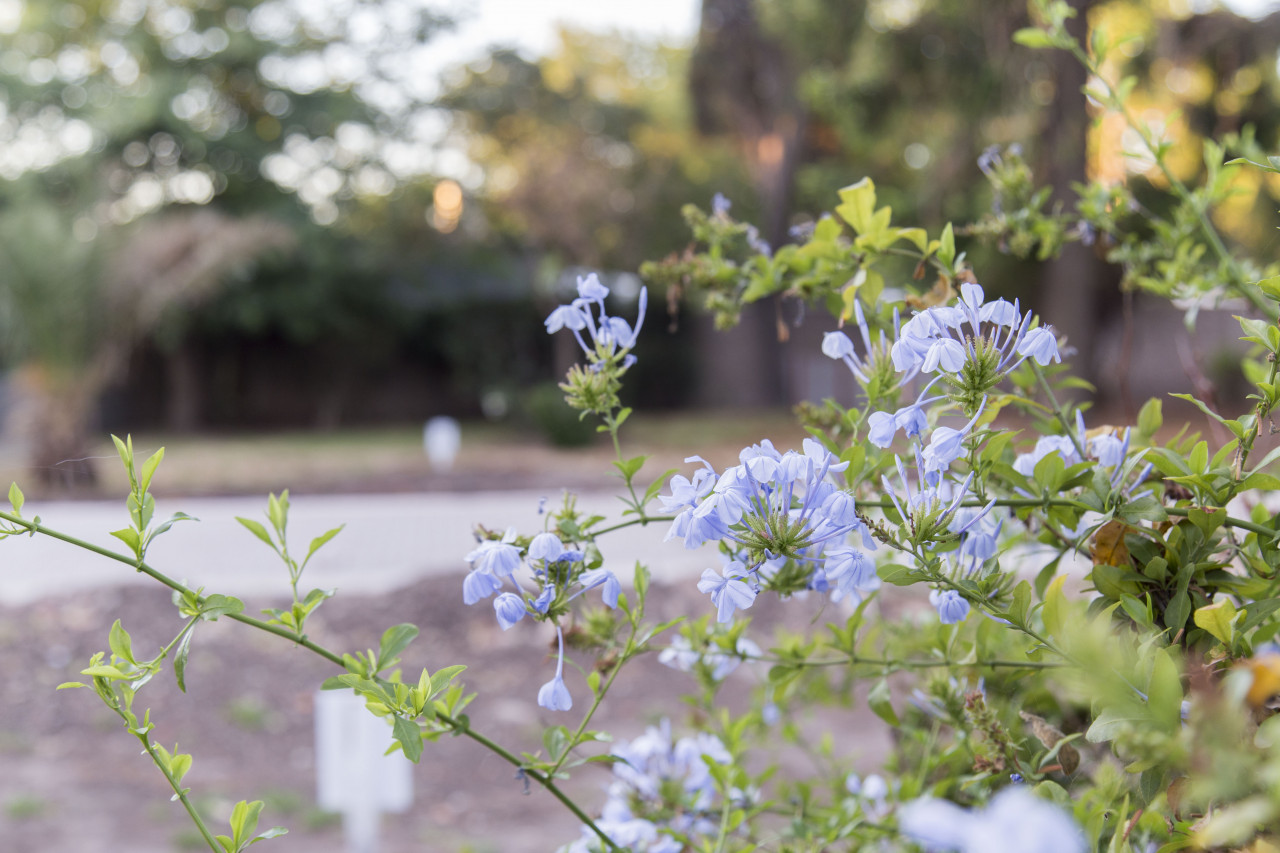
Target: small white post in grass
{"x":441,"y":438}
{"x":353,"y":776}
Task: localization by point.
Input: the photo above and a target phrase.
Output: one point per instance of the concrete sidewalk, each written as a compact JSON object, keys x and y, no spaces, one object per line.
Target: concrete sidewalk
{"x":389,"y":541}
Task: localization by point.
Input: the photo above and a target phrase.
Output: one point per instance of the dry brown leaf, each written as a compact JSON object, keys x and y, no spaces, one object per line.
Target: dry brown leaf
{"x":940,"y":294}
{"x":1048,"y":735}
{"x":1108,"y":545}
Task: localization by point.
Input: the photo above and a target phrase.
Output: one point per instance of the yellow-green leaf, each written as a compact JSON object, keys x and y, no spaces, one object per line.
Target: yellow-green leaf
{"x":1219,"y":619}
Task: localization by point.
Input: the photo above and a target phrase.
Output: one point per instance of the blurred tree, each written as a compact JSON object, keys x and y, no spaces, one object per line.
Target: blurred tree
{"x":819,"y":93}
{"x":589,"y":152}
{"x":116,"y":112}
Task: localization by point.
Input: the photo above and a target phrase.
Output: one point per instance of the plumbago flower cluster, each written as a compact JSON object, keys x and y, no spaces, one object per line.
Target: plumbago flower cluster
{"x":992,"y":627}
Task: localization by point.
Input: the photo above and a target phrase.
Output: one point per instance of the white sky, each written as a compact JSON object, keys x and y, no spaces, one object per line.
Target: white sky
{"x":531,"y":24}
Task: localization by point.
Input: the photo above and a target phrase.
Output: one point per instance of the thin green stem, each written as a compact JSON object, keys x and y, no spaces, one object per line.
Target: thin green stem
{"x":631,"y":522}
{"x":1059,"y":413}
{"x":890,"y":663}
{"x":179,"y":793}
{"x":1180,"y":189}
{"x":723,"y":835}
{"x":541,"y":778}
{"x":1260,"y":412}
{"x":627,"y":654}
{"x":300,"y":639}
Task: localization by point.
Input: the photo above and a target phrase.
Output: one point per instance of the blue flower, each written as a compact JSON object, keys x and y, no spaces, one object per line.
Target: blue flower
{"x":553,"y":695}
{"x":771,"y":508}
{"x":546,"y":547}
{"x":608,"y":334}
{"x":837,"y":345}
{"x":882,"y":428}
{"x":852,"y":572}
{"x":994,"y":333}
{"x":544,"y":599}
{"x":1109,"y":450}
{"x":951,"y":606}
{"x":876,"y":358}
{"x":509,"y":608}
{"x":729,"y":591}
{"x":566,"y":317}
{"x":683,"y":656}
{"x":946,"y":444}
{"x":498,"y":558}
{"x":478,"y":585}
{"x":911,"y":420}
{"x":1041,"y":345}
{"x":1025,"y":463}
{"x":590,"y":288}
{"x":1015,"y":821}
{"x":598,"y":577}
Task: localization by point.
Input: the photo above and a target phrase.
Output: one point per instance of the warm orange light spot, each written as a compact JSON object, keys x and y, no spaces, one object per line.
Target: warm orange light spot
{"x":770,"y":148}
{"x":446,"y":208}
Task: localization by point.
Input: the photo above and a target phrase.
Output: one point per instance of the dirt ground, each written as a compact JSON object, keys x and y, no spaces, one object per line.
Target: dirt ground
{"x":74,"y":780}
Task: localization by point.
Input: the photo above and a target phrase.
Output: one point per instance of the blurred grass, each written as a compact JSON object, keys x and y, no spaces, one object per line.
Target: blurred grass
{"x":392,"y":459}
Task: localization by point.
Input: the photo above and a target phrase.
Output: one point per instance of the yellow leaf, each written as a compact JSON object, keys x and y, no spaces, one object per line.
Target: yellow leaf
{"x":1266,"y":679}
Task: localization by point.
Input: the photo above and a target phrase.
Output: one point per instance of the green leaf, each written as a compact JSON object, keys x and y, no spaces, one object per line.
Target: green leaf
{"x":128,"y":536}
{"x":1020,"y":606}
{"x":1033,"y":37}
{"x":319,"y":541}
{"x":1219,"y":620}
{"x":1145,"y":508}
{"x":219,"y":605}
{"x":1164,"y":693}
{"x":1274,"y":167}
{"x":917,"y":236}
{"x":1112,"y":722}
{"x":1054,"y":602}
{"x":555,"y":740}
{"x":1208,"y":519}
{"x":630,"y":467}
{"x":257,"y":529}
{"x":947,"y":247}
{"x":278,"y":511}
{"x":149,"y":470}
{"x":170,"y":522}
{"x":273,"y":832}
{"x":16,"y":498}
{"x":409,"y":736}
{"x":394,"y":641}
{"x":121,"y":643}
{"x":858,"y":202}
{"x":180,"y":660}
{"x":1177,"y":610}
{"x":244,"y":820}
{"x":898,"y":575}
{"x":1150,"y":418}
{"x":1270,"y":287}
{"x":125,"y":452}
{"x":878,"y":700}
{"x":179,"y":764}
{"x":441,"y":678}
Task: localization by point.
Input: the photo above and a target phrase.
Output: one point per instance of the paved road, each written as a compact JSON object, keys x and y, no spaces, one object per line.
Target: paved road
{"x":389,"y":541}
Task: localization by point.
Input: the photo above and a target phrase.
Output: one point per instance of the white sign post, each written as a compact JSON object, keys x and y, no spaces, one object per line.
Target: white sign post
{"x":441,"y":439}
{"x":353,"y":776}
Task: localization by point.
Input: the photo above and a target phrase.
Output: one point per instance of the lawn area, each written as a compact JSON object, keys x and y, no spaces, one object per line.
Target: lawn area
{"x":493,"y":456}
